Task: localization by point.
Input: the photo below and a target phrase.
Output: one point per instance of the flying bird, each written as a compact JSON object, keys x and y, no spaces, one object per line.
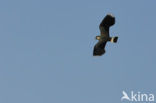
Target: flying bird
{"x":99,"y":48}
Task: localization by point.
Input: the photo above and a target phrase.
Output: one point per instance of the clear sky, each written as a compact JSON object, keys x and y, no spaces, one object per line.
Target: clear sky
{"x":46,"y":50}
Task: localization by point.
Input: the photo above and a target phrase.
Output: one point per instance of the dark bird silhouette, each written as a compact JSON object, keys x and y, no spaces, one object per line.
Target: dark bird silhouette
{"x":99,"y":48}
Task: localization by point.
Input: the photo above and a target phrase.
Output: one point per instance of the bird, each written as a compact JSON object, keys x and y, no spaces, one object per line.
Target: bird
{"x":99,"y":48}
{"x":125,"y":96}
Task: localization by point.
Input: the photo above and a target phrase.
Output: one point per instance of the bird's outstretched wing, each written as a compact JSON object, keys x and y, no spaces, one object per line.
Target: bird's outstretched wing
{"x":108,"y":21}
{"x":99,"y":48}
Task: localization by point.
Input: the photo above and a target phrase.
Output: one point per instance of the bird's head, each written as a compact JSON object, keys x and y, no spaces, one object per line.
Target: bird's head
{"x":98,"y":37}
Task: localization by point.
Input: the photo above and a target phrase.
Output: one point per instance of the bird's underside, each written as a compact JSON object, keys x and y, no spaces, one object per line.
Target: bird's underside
{"x":99,"y":48}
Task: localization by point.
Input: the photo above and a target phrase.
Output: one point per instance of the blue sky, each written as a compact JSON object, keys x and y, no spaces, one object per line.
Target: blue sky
{"x":46,"y":51}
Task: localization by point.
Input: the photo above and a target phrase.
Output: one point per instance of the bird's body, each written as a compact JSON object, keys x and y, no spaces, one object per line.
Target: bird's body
{"x":104,"y":37}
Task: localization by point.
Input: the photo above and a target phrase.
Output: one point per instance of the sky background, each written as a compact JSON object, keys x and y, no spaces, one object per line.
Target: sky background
{"x":46,"y":51}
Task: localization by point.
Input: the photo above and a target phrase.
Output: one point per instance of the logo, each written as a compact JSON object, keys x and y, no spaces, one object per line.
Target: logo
{"x":137,"y":97}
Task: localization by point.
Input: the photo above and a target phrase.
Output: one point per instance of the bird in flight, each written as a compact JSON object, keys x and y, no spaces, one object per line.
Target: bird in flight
{"x":99,"y":48}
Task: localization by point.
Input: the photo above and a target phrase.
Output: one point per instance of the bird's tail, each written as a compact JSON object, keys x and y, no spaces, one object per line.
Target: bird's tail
{"x":114,"y":39}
